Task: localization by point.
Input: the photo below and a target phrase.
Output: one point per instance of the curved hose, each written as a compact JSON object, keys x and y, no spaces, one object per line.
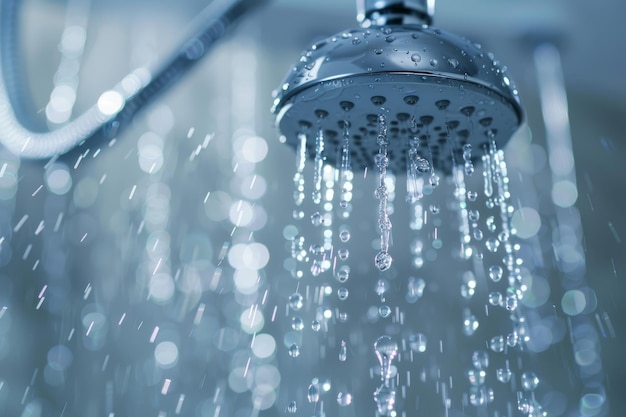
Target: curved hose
{"x":114,"y":107}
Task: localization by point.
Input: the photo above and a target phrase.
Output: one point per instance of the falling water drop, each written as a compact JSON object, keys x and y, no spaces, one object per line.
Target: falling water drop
{"x":316,"y":326}
{"x":316,"y":219}
{"x":386,"y":350}
{"x":495,"y":273}
{"x":296,"y":301}
{"x":417,"y":342}
{"x":343,"y":254}
{"x":415,"y":289}
{"x":343,"y":351}
{"x":383,"y":260}
{"x":511,"y":299}
{"x":434,"y":180}
{"x":344,"y":399}
{"x":478,"y":396}
{"x":384,"y":311}
{"x":504,"y":374}
{"x":344,"y":235}
{"x":297,"y":323}
{"x":385,"y":399}
{"x":529,"y":381}
{"x":480,"y":359}
{"x":342,"y":293}
{"x":472,"y":195}
{"x":476,"y":377}
{"x":343,"y":273}
{"x":292,"y":407}
{"x":470,"y":323}
{"x":453,"y":62}
{"x":496,"y":343}
{"x":495,"y":298}
{"x":294,"y":350}
{"x":313,"y":393}
{"x":492,"y":244}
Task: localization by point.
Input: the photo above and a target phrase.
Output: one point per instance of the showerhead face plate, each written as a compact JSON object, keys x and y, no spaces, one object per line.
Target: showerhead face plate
{"x":432,"y":87}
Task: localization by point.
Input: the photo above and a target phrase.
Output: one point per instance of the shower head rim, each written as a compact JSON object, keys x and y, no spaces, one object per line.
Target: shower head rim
{"x":279,"y":106}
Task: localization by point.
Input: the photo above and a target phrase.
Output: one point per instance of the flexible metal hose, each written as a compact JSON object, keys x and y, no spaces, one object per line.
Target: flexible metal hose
{"x":18,"y":131}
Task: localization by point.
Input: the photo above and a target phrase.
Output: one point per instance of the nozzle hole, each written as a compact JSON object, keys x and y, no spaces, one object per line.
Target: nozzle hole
{"x":321,"y":114}
{"x":378,"y":100}
{"x":346,"y":105}
{"x":411,"y":100}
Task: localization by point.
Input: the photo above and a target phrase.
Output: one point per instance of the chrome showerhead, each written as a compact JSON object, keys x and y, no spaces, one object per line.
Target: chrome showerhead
{"x":434,"y":88}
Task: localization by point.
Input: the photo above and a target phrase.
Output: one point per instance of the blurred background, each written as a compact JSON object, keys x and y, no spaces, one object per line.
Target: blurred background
{"x":150,"y":277}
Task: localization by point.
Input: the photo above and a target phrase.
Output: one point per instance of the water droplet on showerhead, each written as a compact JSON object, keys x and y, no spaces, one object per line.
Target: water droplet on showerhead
{"x":416,"y":57}
{"x":454,"y":63}
{"x":383,"y":261}
{"x":390,"y":38}
{"x":433,"y":62}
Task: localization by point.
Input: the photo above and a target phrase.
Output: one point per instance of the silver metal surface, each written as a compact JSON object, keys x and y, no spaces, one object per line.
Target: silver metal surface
{"x":384,"y":12}
{"x":429,"y":83}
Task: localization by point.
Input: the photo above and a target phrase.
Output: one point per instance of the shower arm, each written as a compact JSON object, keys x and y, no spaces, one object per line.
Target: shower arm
{"x":394,"y":12}
{"x":116,"y":107}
